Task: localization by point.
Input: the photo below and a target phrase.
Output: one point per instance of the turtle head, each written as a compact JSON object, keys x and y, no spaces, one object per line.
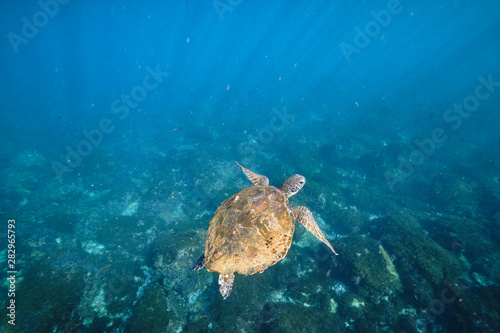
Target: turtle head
{"x":292,"y":185}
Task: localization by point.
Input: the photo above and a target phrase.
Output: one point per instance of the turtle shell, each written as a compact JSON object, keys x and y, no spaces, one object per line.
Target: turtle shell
{"x":250,"y":231}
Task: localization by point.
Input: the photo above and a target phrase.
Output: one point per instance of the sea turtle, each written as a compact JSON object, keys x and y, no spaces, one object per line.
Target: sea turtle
{"x":253,"y":229}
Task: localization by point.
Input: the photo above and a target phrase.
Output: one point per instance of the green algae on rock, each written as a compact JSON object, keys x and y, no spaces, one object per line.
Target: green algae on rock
{"x":369,"y":261}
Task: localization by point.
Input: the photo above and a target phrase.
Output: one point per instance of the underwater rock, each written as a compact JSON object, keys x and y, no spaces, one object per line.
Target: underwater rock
{"x":489,"y":201}
{"x":172,"y":255}
{"x":109,"y":293}
{"x":461,"y":235}
{"x":342,"y":150}
{"x":131,"y":209}
{"x":23,"y":175}
{"x":93,"y":247}
{"x":403,"y":236}
{"x":152,"y":313}
{"x":425,"y":267}
{"x":47,"y":305}
{"x":369,"y":260}
{"x":62,"y":193}
{"x":455,"y":192}
{"x":130,"y":233}
{"x":280,"y":317}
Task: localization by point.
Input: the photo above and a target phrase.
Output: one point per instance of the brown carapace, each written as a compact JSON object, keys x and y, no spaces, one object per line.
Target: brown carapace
{"x":253,"y":229}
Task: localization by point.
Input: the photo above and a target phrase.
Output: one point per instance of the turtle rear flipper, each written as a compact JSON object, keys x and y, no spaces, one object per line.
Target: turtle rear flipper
{"x":305,"y":217}
{"x":200,"y":263}
{"x":226,"y":284}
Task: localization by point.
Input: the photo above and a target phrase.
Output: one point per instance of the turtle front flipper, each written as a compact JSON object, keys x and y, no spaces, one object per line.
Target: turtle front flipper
{"x":200,"y":263}
{"x":226,"y":284}
{"x":256,"y":179}
{"x":305,"y":217}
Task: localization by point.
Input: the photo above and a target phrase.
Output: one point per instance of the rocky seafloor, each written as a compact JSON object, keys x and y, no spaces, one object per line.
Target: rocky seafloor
{"x":110,"y":247}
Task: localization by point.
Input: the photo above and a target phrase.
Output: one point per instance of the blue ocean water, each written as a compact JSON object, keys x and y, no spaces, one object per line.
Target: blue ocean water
{"x":121,"y":122}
